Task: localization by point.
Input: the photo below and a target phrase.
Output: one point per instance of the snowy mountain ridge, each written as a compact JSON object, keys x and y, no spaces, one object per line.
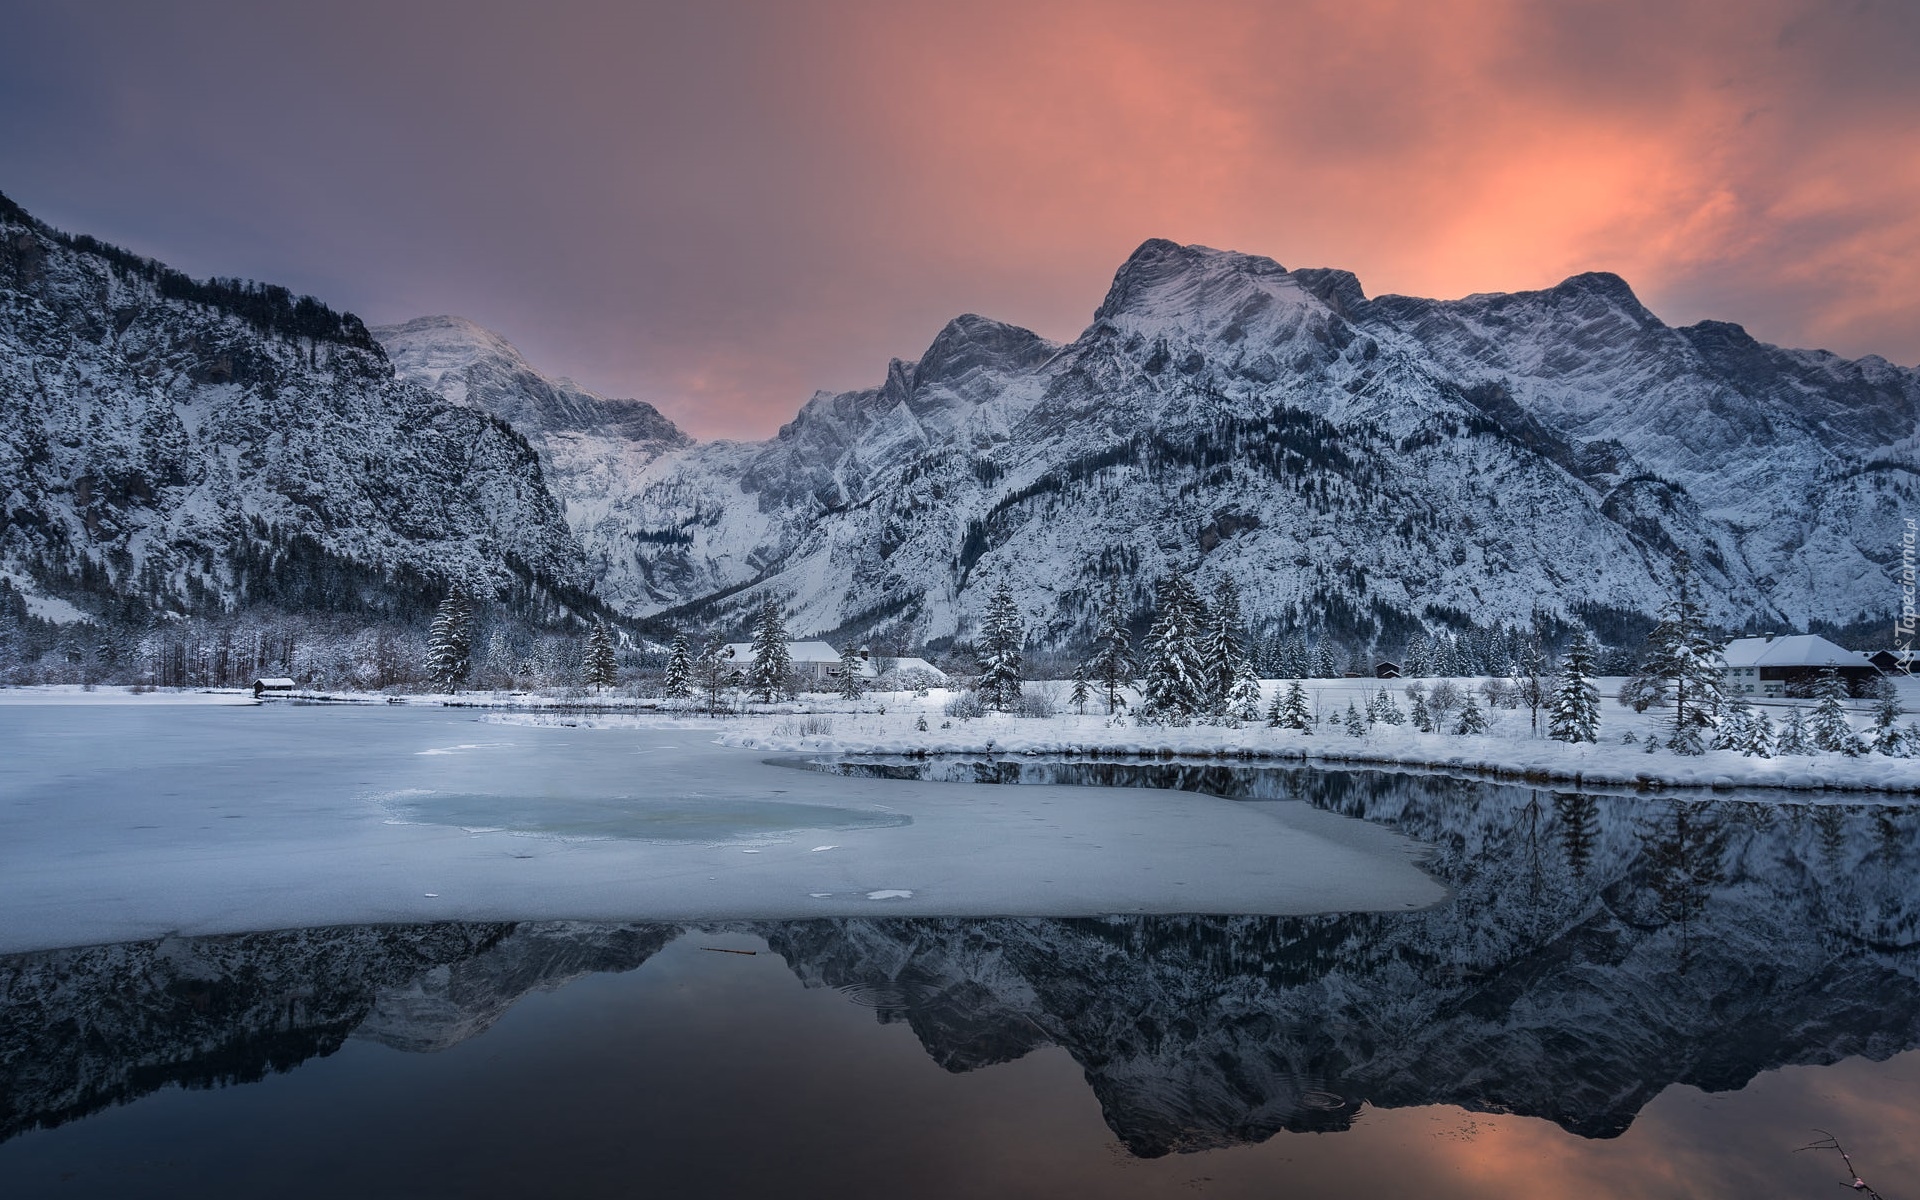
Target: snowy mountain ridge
{"x":1366,"y":465}
{"x":170,"y":446}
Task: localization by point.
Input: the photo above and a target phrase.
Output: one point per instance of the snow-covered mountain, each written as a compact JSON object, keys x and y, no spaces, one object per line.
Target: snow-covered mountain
{"x":592,"y":448}
{"x":1367,"y":463}
{"x":172,"y":445}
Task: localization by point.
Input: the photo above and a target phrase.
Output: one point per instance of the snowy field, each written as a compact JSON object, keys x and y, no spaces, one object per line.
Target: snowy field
{"x":140,"y":819}
{"x":1510,"y":748}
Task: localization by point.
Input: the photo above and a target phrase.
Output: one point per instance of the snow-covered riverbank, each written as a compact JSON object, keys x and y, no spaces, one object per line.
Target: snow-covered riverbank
{"x":889,"y":724}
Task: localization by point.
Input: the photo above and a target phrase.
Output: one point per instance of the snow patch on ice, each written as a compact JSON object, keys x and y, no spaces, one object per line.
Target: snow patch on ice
{"x":891,"y":894}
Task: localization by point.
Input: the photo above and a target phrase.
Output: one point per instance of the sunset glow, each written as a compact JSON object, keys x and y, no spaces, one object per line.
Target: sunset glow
{"x":721,"y":210}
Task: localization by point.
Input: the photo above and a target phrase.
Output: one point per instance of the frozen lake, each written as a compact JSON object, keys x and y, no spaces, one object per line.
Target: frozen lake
{"x":1612,"y":996}
{"x":129,"y":821}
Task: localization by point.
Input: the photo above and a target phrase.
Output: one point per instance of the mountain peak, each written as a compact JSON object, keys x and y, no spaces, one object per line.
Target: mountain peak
{"x":1603,"y":284}
{"x":970,"y":341}
{"x":1161,"y":275}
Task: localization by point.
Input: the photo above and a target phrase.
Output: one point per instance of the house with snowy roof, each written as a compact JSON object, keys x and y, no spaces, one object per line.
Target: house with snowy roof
{"x":1789,"y":666}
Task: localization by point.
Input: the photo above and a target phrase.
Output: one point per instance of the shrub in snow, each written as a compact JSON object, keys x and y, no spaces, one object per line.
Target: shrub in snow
{"x":1034,"y":704}
{"x":965,"y":706}
{"x":1441,"y":701}
{"x":920,"y":723}
{"x":1642,"y":692}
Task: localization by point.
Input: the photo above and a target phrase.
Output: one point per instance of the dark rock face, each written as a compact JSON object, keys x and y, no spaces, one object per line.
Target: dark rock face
{"x":1597,"y":949}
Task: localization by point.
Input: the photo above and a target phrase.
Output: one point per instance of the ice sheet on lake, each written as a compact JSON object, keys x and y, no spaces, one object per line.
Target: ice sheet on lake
{"x":124,"y":822}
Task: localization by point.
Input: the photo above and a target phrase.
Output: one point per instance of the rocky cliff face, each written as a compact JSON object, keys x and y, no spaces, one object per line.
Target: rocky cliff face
{"x":1366,"y":463}
{"x":591,"y":448}
{"x":191,"y":447}
{"x":1596,"y":950}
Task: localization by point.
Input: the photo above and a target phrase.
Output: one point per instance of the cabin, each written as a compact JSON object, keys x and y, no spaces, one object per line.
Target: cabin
{"x":1790,"y":666}
{"x":1386,"y":670}
{"x":266,"y":684}
{"x":1895,"y":662}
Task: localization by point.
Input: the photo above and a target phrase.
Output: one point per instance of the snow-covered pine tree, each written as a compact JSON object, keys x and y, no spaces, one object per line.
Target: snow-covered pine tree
{"x":1356,"y":724}
{"x":1112,"y":663}
{"x":602,"y":669}
{"x":1684,"y":658}
{"x":1759,"y":740}
{"x":1323,"y":665}
{"x":770,"y":675}
{"x":1419,"y":661}
{"x":1421,"y":715}
{"x":1002,"y":638}
{"x":1243,"y":694}
{"x":1173,"y":678}
{"x":1793,"y":734}
{"x":1293,"y":711}
{"x":1472,"y":720}
{"x":450,"y":642}
{"x":1885,"y":734}
{"x":1388,"y":711}
{"x":1080,"y":692}
{"x":1736,"y":723}
{"x":1574,"y":715}
{"x":1829,"y":728}
{"x":678,"y":684}
{"x":851,"y":682}
{"x":1223,"y":656}
{"x":1274,"y":710}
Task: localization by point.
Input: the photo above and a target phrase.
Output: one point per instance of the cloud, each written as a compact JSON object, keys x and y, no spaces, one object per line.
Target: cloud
{"x":722,"y":207}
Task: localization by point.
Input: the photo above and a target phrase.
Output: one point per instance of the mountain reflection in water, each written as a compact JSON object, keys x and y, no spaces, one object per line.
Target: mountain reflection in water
{"x":1596,"y":950}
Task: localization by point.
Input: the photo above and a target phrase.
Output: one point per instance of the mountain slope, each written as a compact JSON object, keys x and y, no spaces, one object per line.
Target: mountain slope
{"x":590,"y":447}
{"x":1368,"y":465}
{"x":167,"y":445}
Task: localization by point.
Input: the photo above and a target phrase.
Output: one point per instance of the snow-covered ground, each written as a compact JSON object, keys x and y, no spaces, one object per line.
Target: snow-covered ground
{"x":135,"y":821}
{"x":74,"y":693}
{"x":1510,"y":748}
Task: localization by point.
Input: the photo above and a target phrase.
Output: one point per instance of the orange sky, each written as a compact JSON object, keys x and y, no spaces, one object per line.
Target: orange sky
{"x":723,"y":209}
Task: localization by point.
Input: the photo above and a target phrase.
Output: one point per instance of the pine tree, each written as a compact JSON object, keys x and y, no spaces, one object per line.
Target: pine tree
{"x":1323,"y":665}
{"x":1002,"y":638}
{"x":1759,"y":739}
{"x":770,"y":676}
{"x":1419,"y":662}
{"x":1273,"y":710}
{"x":1575,"y":714}
{"x":450,"y":642}
{"x":1112,"y":663}
{"x":602,"y":669}
{"x":1080,"y":692}
{"x":1223,"y":656}
{"x":1793,"y":734}
{"x":1885,"y":734}
{"x":1293,"y":713}
{"x":1388,"y":711}
{"x":1472,"y":720}
{"x":1682,"y":656}
{"x":1421,"y":715}
{"x":1830,"y":729}
{"x":851,"y":684}
{"x":1243,"y":694}
{"x":679,"y":680}
{"x":1174,"y":686}
{"x":1356,"y":724}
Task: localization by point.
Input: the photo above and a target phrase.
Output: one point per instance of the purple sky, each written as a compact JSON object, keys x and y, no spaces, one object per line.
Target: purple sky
{"x":721,"y":207}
